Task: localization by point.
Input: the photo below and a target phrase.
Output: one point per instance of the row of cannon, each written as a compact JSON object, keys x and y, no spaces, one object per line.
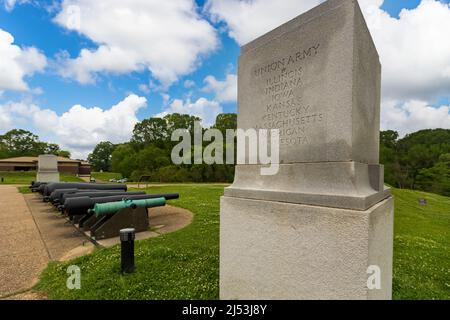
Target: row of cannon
{"x":101,"y":209}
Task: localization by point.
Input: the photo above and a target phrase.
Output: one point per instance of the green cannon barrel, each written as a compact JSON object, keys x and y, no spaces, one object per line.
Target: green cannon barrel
{"x":101,"y":209}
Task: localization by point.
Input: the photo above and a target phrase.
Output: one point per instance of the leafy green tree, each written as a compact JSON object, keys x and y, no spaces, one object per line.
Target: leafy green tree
{"x":153,"y":130}
{"x":63,"y":153}
{"x":389,"y":138}
{"x":21,"y":142}
{"x":4,"y":152}
{"x":151,"y":158}
{"x":123,"y":159}
{"x":437,"y":178}
{"x":226,"y":121}
{"x":100,"y":158}
{"x":180,"y":121}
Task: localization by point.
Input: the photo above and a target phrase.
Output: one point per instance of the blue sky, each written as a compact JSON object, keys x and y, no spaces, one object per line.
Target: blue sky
{"x":199,"y":81}
{"x":32,"y":25}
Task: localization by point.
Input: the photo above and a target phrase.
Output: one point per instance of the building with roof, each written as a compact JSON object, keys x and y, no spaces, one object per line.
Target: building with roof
{"x":65,"y":165}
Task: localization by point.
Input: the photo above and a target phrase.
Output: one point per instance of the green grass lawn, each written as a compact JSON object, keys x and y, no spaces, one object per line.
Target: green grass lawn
{"x":185,"y":264}
{"x":421,"y":246}
{"x":25,"y":177}
{"x":105,"y":176}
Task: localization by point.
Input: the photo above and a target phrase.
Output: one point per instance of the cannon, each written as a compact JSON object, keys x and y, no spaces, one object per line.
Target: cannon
{"x":81,"y":205}
{"x":40,"y":188}
{"x":94,"y":194}
{"x":106,"y":220}
{"x":35,"y":185}
{"x":101,"y":209}
{"x":56,"y":193}
{"x":50,"y":187}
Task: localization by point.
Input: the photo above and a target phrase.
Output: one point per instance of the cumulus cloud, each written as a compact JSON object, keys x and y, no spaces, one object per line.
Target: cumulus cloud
{"x":166,"y":37}
{"x":188,"y":83}
{"x":407,"y":117}
{"x":16,"y":63}
{"x":80,"y":128}
{"x":203,"y":108}
{"x":10,"y":4}
{"x":225,"y":91}
{"x":247,"y":20}
{"x":414,"y":49}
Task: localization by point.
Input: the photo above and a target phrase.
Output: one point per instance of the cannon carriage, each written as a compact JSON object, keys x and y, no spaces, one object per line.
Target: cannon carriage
{"x":101,"y":210}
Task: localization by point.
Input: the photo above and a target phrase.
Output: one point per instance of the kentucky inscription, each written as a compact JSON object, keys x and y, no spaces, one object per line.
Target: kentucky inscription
{"x":280,"y":82}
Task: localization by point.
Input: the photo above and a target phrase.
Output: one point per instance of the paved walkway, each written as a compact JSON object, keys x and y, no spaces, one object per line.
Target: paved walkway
{"x":22,"y":252}
{"x":31,"y":234}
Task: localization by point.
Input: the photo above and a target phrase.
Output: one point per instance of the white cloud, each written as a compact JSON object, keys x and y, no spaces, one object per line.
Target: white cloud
{"x":80,"y":128}
{"x":145,"y":88}
{"x":165,"y":37}
{"x":247,"y":20}
{"x":225,"y":91}
{"x":414,"y":50}
{"x":188,"y":83}
{"x":407,"y":117}
{"x":203,"y":108}
{"x":16,"y":63}
{"x":10,"y":4}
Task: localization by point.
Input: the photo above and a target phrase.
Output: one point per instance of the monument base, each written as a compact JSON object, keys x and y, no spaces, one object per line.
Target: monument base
{"x":276,"y":250}
{"x":47,"y":176}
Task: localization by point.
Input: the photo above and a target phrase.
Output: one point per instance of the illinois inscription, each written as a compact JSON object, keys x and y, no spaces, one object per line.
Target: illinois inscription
{"x":281,"y":83}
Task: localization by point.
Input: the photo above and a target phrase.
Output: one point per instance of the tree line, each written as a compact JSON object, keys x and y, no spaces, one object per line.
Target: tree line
{"x":420,"y":160}
{"x":149,"y":152}
{"x":19,"y":142}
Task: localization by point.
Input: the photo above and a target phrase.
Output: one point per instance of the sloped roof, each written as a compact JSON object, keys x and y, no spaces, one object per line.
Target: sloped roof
{"x":35,"y":159}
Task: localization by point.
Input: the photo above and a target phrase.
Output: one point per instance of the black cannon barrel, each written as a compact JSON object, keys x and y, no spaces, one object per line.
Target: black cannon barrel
{"x":50,"y":187}
{"x":56,"y":196}
{"x":57,"y":192}
{"x":41,"y":188}
{"x":80,"y":205}
{"x":36,"y":184}
{"x":96,"y":194}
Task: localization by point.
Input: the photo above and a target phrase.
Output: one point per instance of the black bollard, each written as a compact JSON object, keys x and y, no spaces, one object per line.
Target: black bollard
{"x":127,"y":250}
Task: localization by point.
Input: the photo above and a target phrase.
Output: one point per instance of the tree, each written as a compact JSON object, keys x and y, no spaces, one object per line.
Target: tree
{"x":389,"y":138}
{"x":21,"y":142}
{"x":151,"y":158}
{"x":63,"y":153}
{"x":123,"y":159}
{"x":100,"y":158}
{"x":180,"y":121}
{"x":226,"y":121}
{"x":153,"y":130}
{"x":437,"y":178}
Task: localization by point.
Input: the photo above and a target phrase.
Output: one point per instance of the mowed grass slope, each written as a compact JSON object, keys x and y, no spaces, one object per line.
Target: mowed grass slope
{"x":185,"y":264}
{"x":25,"y":177}
{"x":106,"y":176}
{"x":421,"y":246}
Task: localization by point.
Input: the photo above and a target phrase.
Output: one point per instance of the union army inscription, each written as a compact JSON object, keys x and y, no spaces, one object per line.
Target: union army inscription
{"x":318,"y":88}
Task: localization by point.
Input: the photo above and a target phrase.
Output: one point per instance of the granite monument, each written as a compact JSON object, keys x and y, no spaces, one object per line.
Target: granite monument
{"x":320,"y":226}
{"x":47,"y":168}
